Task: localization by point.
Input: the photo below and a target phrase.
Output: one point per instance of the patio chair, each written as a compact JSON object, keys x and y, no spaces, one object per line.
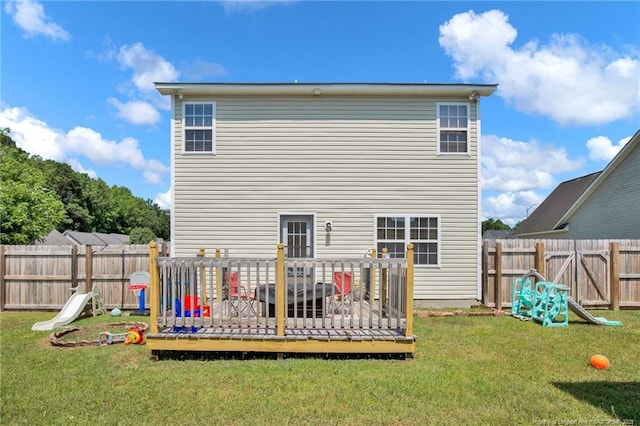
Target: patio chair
{"x":341,"y":300}
{"x":239,"y":298}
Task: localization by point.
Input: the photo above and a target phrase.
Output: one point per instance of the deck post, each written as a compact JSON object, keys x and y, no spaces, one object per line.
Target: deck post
{"x":409,"y":292}
{"x":154,"y":287}
{"x":203,"y":285}
{"x":218,"y":279}
{"x":383,"y":276}
{"x":280,"y":306}
{"x":372,"y":280}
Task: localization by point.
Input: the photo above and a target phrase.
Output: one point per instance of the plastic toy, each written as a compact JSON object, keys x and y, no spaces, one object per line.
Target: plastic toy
{"x":116,"y":312}
{"x":106,"y":338}
{"x":134,"y":335}
{"x":599,"y":362}
{"x":550,"y":305}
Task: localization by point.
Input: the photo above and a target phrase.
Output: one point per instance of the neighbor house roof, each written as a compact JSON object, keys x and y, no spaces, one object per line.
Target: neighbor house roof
{"x":96,"y":238}
{"x":323,"y":89}
{"x":556,"y":210}
{"x":496,"y":234}
{"x":54,"y":238}
{"x":546,"y":217}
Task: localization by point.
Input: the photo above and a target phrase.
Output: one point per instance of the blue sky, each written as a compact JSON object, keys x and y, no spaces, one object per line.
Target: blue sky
{"x":76,"y":82}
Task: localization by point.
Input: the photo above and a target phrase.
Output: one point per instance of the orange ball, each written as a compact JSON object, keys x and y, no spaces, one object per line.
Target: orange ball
{"x":600,"y":362}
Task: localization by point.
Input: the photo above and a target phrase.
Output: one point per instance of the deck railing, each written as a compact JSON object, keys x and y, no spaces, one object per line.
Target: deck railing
{"x":189,"y":293}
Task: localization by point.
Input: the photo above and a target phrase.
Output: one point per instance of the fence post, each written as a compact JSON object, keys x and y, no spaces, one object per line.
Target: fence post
{"x":154,"y":287}
{"x":409,"y":295}
{"x":280,"y":306}
{"x":498,"y":283}
{"x":614,"y":271}
{"x":485,"y":273}
{"x":539,"y":261}
{"x":74,"y":266}
{"x":88,"y":269}
{"x":3,"y":273}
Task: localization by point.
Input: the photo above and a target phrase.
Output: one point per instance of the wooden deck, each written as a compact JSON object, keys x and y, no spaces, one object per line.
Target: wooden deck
{"x":332,"y":333}
{"x":377,"y":325}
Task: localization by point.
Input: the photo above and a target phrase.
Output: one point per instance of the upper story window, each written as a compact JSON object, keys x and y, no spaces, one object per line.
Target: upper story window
{"x":199,"y":126}
{"x":453,"y":128}
{"x":395,"y":232}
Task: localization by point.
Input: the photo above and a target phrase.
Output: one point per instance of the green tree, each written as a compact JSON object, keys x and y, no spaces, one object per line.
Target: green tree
{"x":67,"y":184}
{"x":29,"y":210}
{"x":141,"y":235}
{"x":492,"y":223}
{"x":89,"y":205}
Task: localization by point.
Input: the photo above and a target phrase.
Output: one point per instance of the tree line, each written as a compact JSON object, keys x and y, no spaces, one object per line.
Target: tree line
{"x":37,"y":196}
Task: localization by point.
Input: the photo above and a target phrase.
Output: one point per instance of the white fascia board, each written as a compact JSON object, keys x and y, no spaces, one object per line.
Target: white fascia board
{"x":324,"y":89}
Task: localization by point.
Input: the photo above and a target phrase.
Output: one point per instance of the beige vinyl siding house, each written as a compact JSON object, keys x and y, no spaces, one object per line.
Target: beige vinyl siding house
{"x":287,"y":160}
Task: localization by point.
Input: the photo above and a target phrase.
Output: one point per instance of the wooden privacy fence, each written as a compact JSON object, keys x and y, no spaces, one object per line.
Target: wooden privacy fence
{"x":41,"y":277}
{"x":599,"y":273}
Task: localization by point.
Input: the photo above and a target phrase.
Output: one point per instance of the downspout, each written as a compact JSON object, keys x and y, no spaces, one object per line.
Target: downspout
{"x":479,"y":213}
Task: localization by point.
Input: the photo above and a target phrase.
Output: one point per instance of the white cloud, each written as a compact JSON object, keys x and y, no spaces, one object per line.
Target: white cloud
{"x":511,"y":207}
{"x":36,"y":137}
{"x":91,"y":144}
{"x":29,"y":15}
{"x":515,"y":174}
{"x":567,"y":79}
{"x":602,"y":149}
{"x":163,"y":200}
{"x":136,"y":112}
{"x":33,"y":135}
{"x":509,"y":165}
{"x":148,"y":67}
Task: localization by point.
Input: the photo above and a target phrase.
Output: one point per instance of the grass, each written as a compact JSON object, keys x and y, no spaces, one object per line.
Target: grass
{"x":467,"y":370}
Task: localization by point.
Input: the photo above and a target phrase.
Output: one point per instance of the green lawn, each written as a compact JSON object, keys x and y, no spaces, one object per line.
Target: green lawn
{"x":467,"y":370}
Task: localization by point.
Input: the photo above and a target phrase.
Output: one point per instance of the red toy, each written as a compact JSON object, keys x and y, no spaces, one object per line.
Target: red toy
{"x":134,"y":335}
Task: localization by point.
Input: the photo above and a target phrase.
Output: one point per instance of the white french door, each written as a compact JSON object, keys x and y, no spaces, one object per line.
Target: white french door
{"x":296,"y":233}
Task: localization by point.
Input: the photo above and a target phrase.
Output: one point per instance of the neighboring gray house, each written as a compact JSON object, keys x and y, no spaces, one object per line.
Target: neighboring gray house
{"x":96,"y":238}
{"x":54,"y":238}
{"x":332,"y":170}
{"x":602,"y":205}
{"x":496,"y":234}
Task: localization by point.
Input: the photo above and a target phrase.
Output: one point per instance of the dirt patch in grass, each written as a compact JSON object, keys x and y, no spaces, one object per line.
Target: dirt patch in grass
{"x":90,"y":335}
{"x":459,"y":313}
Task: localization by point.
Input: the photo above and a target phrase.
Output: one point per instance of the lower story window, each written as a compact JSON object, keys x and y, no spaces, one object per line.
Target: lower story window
{"x":395,"y":232}
{"x":198,"y":141}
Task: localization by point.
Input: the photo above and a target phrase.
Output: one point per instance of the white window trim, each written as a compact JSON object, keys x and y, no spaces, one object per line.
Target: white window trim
{"x":468,"y":129}
{"x":185,"y":128}
{"x":407,"y":233}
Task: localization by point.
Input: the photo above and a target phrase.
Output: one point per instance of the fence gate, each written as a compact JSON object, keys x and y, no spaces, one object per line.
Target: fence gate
{"x":592,"y":277}
{"x":583,"y":269}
